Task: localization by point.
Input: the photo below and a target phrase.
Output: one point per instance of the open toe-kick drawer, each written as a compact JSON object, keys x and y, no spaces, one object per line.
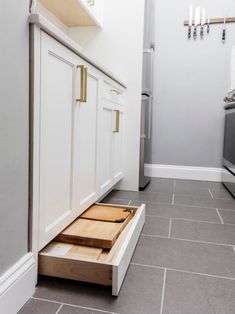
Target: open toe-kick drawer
{"x":92,"y":264}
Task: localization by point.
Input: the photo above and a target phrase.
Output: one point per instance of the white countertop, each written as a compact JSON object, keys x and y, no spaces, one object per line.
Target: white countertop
{"x":55,"y":32}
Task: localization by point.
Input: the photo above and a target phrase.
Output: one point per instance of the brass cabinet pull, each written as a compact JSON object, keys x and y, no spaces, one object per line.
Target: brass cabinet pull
{"x":117,"y":121}
{"x":83,"y":84}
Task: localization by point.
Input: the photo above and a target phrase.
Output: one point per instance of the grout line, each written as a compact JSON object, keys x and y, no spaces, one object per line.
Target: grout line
{"x":185,"y":219}
{"x":144,"y":265}
{"x":163,"y":290}
{"x":47,"y":300}
{"x":169,"y":234}
{"x":211,"y":193}
{"x":59,"y":309}
{"x":129,"y":203}
{"x":185,"y":271}
{"x":204,"y":207}
{"x":187,"y":240}
{"x":184,"y":205}
{"x":227,"y":209}
{"x":200,"y":274}
{"x":73,"y":305}
{"x":188,"y":205}
{"x":219,"y":216}
{"x":173,"y":199}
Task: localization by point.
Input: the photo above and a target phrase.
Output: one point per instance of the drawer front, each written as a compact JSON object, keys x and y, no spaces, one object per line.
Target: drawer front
{"x":108,"y":269}
{"x":123,"y":258}
{"x":113,"y":92}
{"x":69,"y":268}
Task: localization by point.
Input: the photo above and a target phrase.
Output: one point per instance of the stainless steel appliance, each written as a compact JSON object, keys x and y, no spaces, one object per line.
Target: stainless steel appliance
{"x":229,"y":149}
{"x":145,"y":138}
{"x":147,"y":89}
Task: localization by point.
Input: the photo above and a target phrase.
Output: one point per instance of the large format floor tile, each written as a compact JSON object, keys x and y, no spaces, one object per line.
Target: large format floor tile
{"x":203,"y":258}
{"x":156,"y":226}
{"x":161,"y":185}
{"x":191,"y":188}
{"x":222,"y":193}
{"x":216,"y":186}
{"x":141,"y":292}
{"x":194,"y":294}
{"x":39,"y":307}
{"x":202,"y":201}
{"x":228,"y":216}
{"x":143,"y":196}
{"x":202,"y":231}
{"x":111,"y":200}
{"x":66,"y":309}
{"x":199,"y":184}
{"x":180,"y":211}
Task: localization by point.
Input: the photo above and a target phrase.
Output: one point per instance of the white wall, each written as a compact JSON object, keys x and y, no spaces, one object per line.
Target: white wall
{"x":14,"y":111}
{"x":119,"y":47}
{"x":191,"y":79}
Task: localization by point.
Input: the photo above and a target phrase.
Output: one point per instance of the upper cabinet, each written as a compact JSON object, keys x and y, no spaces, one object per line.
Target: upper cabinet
{"x":75,"y":12}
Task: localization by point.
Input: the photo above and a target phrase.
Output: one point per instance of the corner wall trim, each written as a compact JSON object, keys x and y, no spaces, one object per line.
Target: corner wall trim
{"x":17,"y":285}
{"x":183,"y":172}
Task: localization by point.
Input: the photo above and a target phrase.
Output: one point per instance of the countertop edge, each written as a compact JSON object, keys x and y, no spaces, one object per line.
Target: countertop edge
{"x":59,"y":35}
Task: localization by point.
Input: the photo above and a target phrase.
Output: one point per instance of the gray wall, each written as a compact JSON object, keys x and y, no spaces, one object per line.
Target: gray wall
{"x":14,"y":63}
{"x":191,"y":79}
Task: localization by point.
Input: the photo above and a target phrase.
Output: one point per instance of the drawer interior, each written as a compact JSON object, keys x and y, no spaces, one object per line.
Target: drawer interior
{"x":83,"y":263}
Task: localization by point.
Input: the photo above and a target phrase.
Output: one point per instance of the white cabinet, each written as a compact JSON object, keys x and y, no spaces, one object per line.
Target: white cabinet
{"x":105,"y":146}
{"x":111,"y":144}
{"x":86,"y":136}
{"x":56,"y":130}
{"x":117,"y":144}
{"x":72,"y":12}
{"x":78,"y":128}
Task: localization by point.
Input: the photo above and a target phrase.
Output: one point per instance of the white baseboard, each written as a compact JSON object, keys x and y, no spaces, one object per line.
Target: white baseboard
{"x":181,"y":172}
{"x":17,"y":285}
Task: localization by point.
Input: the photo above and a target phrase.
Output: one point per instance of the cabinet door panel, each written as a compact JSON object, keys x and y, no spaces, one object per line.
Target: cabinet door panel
{"x":56,"y":139}
{"x":117,"y":148}
{"x":105,"y":147}
{"x":87,"y":143}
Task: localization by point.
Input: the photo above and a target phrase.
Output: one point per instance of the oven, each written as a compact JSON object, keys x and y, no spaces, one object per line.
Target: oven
{"x":229,"y":148}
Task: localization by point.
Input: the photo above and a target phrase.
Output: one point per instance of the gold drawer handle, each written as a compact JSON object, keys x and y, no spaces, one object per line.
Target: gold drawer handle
{"x":117,"y":121}
{"x":83,"y":84}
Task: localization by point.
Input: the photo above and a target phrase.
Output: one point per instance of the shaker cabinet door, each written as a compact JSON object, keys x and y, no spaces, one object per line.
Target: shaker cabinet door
{"x":86,"y":135}
{"x":110,"y":157}
{"x":105,"y":146}
{"x":117,"y":144}
{"x":55,"y":138}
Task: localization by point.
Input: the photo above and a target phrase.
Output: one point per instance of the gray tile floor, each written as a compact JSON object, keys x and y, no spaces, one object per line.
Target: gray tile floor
{"x":184,"y":262}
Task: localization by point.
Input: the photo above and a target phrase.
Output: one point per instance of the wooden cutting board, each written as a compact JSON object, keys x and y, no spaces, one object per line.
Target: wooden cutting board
{"x":100,"y":234}
{"x":106,"y":213}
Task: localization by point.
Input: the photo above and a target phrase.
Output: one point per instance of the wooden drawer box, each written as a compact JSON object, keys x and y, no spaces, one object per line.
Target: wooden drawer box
{"x":105,"y":267}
